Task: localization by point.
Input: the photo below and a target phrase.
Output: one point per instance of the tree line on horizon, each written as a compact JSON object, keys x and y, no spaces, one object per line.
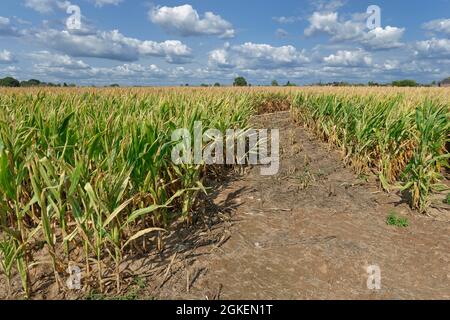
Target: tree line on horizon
{"x":14,"y":83}
{"x":242,"y":82}
{"x":238,"y":82}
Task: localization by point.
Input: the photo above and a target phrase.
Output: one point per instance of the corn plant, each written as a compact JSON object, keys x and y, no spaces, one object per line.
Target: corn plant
{"x":92,"y":170}
{"x":401,"y":137}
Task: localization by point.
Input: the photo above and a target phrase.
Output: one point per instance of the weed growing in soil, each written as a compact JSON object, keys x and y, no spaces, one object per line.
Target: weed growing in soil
{"x":396,"y":221}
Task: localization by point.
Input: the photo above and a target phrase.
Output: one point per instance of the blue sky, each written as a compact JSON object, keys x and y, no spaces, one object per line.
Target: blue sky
{"x":134,"y":42}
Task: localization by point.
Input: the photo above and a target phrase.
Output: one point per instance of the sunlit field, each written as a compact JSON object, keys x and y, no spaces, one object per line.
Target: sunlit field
{"x":86,"y":175}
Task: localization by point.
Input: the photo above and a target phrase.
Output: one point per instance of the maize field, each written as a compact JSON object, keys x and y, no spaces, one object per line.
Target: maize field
{"x":86,"y":175}
{"x":402,"y":135}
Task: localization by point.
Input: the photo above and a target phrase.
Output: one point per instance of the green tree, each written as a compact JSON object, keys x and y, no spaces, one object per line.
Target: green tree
{"x":30,"y":83}
{"x":405,"y":83}
{"x":9,"y":82}
{"x":216,"y":84}
{"x":275,"y":83}
{"x":289,"y":84}
{"x":240,"y":82}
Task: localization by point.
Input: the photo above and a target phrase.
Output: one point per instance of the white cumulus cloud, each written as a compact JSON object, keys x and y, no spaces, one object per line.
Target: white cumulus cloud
{"x":384,"y":38}
{"x":47,"y":6}
{"x":354,"y":31}
{"x":112,"y":45}
{"x":52,"y":60}
{"x":253,"y":56}
{"x":185,"y":21}
{"x":101,"y":3}
{"x":59,"y":66}
{"x":7,"y":57}
{"x":433,"y":49}
{"x":345,"y":58}
{"x":286,"y":20}
{"x":7,"y":29}
{"x":438,"y":26}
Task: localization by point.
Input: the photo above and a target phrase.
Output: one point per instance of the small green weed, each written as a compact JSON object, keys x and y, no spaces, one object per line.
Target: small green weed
{"x":395,"y":220}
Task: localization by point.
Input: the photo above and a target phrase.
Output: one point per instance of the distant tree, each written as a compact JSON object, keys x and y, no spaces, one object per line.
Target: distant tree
{"x":34,"y":82}
{"x":9,"y":82}
{"x":240,"y":82}
{"x":114,"y":85}
{"x":405,"y":83}
{"x":289,"y":84}
{"x":275,"y":83}
{"x":204,"y":85}
{"x":216,"y":84}
{"x":340,"y":84}
{"x":445,"y":82}
{"x":30,"y":83}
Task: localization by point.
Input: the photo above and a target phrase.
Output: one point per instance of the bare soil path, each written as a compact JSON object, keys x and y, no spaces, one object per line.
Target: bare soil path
{"x":311,"y":231}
